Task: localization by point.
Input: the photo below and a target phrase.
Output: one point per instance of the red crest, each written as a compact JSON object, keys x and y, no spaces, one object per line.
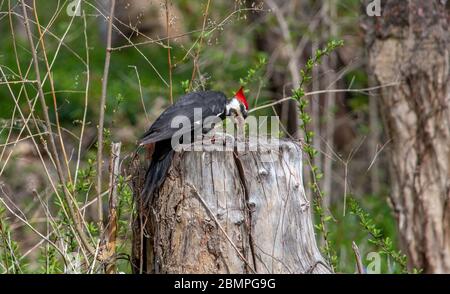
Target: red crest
{"x":241,"y":97}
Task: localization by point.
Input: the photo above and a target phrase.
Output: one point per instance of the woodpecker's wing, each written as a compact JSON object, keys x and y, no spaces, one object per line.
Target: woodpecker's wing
{"x":212,"y":103}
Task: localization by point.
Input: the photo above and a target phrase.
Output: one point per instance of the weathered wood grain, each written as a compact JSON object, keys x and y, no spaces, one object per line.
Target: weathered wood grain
{"x":230,"y":212}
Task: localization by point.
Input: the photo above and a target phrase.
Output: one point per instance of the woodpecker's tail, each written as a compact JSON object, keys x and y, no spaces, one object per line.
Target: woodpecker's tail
{"x":157,"y":171}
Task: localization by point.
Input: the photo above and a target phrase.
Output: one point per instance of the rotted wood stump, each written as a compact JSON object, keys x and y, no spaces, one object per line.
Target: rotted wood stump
{"x":228,"y":212}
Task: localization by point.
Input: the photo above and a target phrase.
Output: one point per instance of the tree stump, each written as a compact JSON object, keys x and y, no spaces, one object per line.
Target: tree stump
{"x":228,"y":212}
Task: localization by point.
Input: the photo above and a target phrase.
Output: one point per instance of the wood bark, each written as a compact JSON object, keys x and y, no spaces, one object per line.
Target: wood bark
{"x":229,"y":212}
{"x":409,"y":43}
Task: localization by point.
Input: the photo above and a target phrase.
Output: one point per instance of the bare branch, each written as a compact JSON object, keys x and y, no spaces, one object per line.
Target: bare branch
{"x":102,"y":116}
{"x":358,"y":258}
{"x":113,"y":202}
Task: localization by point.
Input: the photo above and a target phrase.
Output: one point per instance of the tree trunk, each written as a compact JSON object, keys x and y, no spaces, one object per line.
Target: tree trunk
{"x":411,"y":41}
{"x":268,"y":39}
{"x":229,"y":212}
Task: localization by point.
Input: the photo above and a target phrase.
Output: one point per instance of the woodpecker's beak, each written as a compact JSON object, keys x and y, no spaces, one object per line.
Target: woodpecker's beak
{"x":244,"y":113}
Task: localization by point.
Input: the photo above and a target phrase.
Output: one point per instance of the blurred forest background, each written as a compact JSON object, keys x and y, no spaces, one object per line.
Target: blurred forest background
{"x":212,"y":44}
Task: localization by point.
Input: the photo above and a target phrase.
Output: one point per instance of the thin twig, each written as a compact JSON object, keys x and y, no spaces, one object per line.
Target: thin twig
{"x":112,"y":215}
{"x":140,"y":92}
{"x":86,"y":98}
{"x":32,"y":105}
{"x":102,"y":116}
{"x":324,"y":92}
{"x":31,"y":227}
{"x":359,"y":263}
{"x":197,"y":55}
{"x":70,"y":203}
{"x":284,"y":27}
{"x":52,"y":87}
{"x":131,"y":43}
{"x":210,"y":29}
{"x":346,"y":164}
{"x":47,"y":172}
{"x":377,"y":154}
{"x":18,"y":82}
{"x":169,"y":58}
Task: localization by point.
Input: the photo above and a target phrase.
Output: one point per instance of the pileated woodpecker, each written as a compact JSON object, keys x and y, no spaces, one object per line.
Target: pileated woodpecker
{"x":159,"y":136}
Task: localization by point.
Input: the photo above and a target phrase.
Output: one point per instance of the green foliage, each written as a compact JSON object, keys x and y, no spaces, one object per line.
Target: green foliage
{"x":48,"y":258}
{"x":11,"y":260}
{"x":255,"y":72}
{"x":185,"y":86}
{"x":377,"y":238}
{"x":85,"y":177}
{"x":316,"y":174}
{"x":316,"y":60}
{"x":325,"y":219}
